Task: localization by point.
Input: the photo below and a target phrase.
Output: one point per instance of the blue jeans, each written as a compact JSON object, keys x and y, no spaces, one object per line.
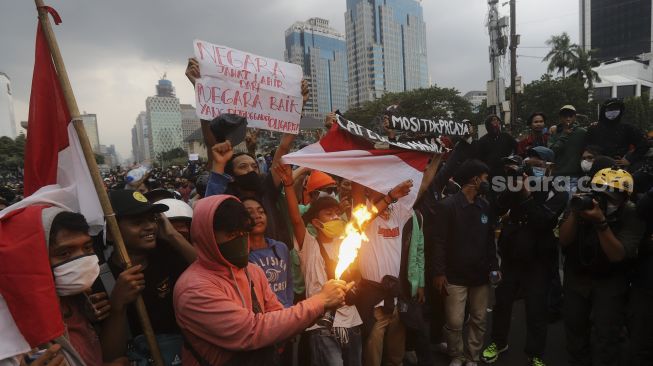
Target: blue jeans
{"x":336,"y":347}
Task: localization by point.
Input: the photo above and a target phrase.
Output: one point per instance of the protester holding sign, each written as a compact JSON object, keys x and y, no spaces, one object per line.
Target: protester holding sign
{"x":239,"y":174}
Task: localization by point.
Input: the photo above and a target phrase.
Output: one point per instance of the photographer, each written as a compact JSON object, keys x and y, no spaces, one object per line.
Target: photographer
{"x":527,"y":247}
{"x":598,"y":235}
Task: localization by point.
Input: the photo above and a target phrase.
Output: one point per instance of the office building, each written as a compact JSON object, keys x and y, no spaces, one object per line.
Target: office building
{"x":321,"y":51}
{"x":476,"y":98}
{"x":386,"y":48}
{"x":189,"y":123}
{"x":7,"y":118}
{"x":616,"y":29}
{"x":163,"y":119}
{"x":90,"y":125}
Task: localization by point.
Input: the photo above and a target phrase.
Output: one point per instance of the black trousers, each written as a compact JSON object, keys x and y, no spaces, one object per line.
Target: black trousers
{"x":593,"y":312}
{"x":640,"y":312}
{"x":533,"y":281}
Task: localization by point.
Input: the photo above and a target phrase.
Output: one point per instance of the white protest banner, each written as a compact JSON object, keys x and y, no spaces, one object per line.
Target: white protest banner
{"x":429,"y":126}
{"x":193,"y":157}
{"x":265,"y":91}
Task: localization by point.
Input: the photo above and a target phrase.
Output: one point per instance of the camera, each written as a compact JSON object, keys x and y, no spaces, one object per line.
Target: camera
{"x":583,"y":202}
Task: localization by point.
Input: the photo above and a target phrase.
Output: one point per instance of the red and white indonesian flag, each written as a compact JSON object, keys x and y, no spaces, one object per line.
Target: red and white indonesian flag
{"x":354,"y":158}
{"x":56,"y":174}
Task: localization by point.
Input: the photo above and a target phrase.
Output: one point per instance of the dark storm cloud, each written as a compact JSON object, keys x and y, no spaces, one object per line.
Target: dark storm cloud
{"x":115,"y":50}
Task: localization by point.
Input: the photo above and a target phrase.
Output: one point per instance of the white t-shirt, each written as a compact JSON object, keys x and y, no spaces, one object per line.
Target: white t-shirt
{"x":381,"y":255}
{"x":314,"y":270}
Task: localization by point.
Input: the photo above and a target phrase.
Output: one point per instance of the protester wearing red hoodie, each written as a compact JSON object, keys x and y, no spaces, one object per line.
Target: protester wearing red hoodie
{"x":224,"y":305}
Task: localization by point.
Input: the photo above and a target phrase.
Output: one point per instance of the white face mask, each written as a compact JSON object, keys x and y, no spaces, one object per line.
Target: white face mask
{"x":612,"y":115}
{"x":586,"y":165}
{"x":76,"y":276}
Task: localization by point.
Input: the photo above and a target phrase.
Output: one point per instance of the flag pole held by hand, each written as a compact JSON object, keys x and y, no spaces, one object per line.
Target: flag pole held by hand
{"x":112,"y":223}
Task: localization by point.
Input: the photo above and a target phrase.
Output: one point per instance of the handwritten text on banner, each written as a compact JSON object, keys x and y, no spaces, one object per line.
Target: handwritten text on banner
{"x":265,"y":91}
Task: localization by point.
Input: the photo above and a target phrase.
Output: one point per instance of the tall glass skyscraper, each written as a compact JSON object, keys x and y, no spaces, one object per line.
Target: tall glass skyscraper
{"x":386,"y":48}
{"x":322,"y":53}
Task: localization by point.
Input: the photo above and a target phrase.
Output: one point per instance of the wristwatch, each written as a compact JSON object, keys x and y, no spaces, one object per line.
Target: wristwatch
{"x":392,"y":199}
{"x":602,"y":226}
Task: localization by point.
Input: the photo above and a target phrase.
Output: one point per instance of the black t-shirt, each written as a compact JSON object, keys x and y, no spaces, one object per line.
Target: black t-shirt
{"x":163,"y":269}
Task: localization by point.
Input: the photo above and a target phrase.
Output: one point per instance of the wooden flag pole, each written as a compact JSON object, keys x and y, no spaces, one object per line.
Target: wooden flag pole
{"x":112,"y":223}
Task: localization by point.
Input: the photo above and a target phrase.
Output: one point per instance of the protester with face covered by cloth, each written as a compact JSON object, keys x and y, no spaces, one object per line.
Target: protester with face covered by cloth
{"x":224,"y":305}
{"x":57,"y":311}
{"x":527,"y":247}
{"x":599,"y":235}
{"x":615,"y":137}
{"x":495,"y":145}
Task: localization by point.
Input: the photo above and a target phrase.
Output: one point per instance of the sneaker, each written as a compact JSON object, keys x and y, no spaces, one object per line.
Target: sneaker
{"x":456,"y":362}
{"x":411,"y":357}
{"x":442,"y":347}
{"x":492,"y":352}
{"x":536,"y":361}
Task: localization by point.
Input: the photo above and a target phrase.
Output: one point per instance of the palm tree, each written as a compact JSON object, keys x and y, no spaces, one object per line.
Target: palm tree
{"x":582,"y":66}
{"x":561,"y":57}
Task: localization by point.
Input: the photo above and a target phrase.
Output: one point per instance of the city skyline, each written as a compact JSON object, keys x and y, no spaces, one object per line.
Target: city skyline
{"x":112,"y":69}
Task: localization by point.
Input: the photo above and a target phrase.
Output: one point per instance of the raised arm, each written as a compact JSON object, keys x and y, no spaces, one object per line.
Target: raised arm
{"x":193,"y":73}
{"x":286,"y":140}
{"x":285,"y":175}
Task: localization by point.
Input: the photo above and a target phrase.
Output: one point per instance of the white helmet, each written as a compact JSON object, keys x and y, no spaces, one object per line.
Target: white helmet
{"x":178,"y":209}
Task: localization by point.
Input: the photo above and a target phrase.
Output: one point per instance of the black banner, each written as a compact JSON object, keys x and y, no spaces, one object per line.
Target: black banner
{"x":429,"y":127}
{"x":426,"y":144}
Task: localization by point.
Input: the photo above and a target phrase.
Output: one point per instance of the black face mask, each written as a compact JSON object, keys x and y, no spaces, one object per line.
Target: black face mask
{"x":235,"y":251}
{"x":483,"y":187}
{"x":248,"y":182}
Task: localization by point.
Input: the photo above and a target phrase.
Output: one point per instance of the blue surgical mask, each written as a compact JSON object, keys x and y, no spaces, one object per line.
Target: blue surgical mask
{"x":539,"y":171}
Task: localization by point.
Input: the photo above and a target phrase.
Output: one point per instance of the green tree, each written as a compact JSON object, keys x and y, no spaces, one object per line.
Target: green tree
{"x":562,"y":56}
{"x":639,"y":112}
{"x":581,"y":67}
{"x":549,"y":94}
{"x":433,"y":102}
{"x":12,"y":156}
{"x":99,"y":159}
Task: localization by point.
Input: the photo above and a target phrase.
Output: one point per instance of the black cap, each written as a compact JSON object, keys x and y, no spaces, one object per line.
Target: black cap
{"x":512,"y":160}
{"x":320,"y":204}
{"x":158,"y":194}
{"x":127,"y":203}
{"x":230,"y":127}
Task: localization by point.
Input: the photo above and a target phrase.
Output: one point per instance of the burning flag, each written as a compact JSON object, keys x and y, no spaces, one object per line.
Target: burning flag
{"x":354,"y":237}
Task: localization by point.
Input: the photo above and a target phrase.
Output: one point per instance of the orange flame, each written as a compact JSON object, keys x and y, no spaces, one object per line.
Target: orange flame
{"x":354,"y":237}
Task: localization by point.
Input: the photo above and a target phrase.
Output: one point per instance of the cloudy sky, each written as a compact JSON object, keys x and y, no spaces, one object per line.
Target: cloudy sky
{"x":115,"y":51}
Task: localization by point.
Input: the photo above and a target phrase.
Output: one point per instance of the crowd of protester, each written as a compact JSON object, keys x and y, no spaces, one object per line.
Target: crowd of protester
{"x":235,"y":260}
